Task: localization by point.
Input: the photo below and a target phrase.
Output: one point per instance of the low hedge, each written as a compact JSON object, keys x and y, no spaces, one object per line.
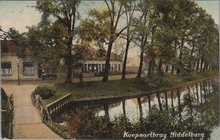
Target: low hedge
{"x":46,"y":91}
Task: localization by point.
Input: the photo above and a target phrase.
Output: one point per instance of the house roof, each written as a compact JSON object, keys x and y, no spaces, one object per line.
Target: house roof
{"x":93,"y":55}
{"x":8,"y":46}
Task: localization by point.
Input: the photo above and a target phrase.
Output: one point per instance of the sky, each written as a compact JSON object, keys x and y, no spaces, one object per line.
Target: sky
{"x":212,"y":7}
{"x":19,"y":14}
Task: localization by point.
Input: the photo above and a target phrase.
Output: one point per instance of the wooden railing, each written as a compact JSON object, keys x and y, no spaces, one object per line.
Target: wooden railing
{"x":58,"y":105}
{"x":47,"y":111}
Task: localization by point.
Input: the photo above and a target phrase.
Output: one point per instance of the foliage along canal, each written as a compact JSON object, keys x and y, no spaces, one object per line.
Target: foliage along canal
{"x":189,"y":112}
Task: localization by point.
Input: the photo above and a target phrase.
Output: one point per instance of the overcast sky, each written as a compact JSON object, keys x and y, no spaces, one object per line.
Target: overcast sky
{"x":19,"y":14}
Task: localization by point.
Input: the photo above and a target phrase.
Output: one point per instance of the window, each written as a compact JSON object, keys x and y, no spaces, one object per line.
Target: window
{"x":110,"y":67}
{"x":6,"y":69}
{"x":28,"y":69}
{"x":99,"y":67}
{"x":119,"y":67}
{"x":116,"y":68}
{"x":90,"y":67}
{"x":85,"y":68}
{"x":103,"y":67}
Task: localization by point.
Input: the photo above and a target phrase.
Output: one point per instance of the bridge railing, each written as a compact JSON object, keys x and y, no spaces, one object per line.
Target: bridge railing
{"x":58,"y":105}
{"x":47,"y":111}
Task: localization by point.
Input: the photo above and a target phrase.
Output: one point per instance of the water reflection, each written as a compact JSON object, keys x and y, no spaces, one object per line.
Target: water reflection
{"x":166,"y":100}
{"x":198,"y":102}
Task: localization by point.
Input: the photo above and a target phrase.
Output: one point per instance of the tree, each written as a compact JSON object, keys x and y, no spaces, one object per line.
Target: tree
{"x":63,"y":13}
{"x":143,"y":28}
{"x":103,"y":26}
{"x":177,"y":34}
{"x":114,"y":14}
{"x":175,"y":21}
{"x":182,"y":11}
{"x":165,"y":35}
{"x":20,"y":40}
{"x":49,"y":47}
{"x":207,"y":49}
{"x":129,"y":9}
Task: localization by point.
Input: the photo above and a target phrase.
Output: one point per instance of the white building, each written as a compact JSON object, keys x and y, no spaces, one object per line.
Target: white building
{"x":13,"y":67}
{"x":96,"y":64}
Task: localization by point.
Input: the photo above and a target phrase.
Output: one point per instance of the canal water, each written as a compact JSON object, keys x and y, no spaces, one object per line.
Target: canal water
{"x":165,"y":100}
{"x":173,"y":100}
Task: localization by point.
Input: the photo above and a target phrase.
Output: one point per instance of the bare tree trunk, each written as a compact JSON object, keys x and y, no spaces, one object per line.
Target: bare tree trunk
{"x":205,"y":67}
{"x":190,"y":102}
{"x":114,"y":16}
{"x":69,"y":62}
{"x":141,"y":63}
{"x":197,"y":94}
{"x":141,"y":112}
{"x":153,"y":65}
{"x":197,"y":65}
{"x":160,"y":67}
{"x":172,"y":69}
{"x":166,"y":100}
{"x":149,"y":68}
{"x":179,"y":105}
{"x":106,"y":109}
{"x":209,"y":68}
{"x":143,"y":44}
{"x":173,"y":66}
{"x":123,"y":108}
{"x":180,"y":56}
{"x":201,"y":65}
{"x":149,"y":104}
{"x":107,"y":62}
{"x":125,"y":60}
{"x":159,"y":101}
{"x":193,"y":67}
{"x":190,"y":58}
{"x":172,"y":104}
{"x":167,"y":67}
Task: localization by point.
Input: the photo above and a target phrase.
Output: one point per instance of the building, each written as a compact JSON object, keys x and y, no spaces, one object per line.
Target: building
{"x":96,"y":64}
{"x":13,"y":67}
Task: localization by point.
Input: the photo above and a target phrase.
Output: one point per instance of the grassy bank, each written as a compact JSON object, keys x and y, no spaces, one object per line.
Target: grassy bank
{"x":129,"y":87}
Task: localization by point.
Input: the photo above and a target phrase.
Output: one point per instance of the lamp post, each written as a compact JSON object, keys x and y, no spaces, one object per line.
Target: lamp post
{"x":17,"y":61}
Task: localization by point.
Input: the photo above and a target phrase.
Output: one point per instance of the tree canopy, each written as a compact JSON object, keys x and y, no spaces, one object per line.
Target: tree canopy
{"x":176,"y":33}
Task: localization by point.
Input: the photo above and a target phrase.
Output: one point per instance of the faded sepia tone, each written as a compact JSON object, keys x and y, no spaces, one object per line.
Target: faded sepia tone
{"x":111,"y":69}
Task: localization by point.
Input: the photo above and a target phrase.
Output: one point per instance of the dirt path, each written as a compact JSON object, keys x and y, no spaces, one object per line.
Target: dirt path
{"x":27,"y":121}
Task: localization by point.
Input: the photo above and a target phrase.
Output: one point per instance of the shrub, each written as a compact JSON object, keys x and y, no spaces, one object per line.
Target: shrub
{"x":84,"y":124}
{"x":157,"y":81}
{"x":121,"y":124}
{"x":7,"y":114}
{"x":44,"y":91}
{"x":4,"y":99}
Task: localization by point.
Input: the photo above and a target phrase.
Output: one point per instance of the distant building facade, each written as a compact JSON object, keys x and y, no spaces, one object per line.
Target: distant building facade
{"x":13,"y":67}
{"x":96,"y":64}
